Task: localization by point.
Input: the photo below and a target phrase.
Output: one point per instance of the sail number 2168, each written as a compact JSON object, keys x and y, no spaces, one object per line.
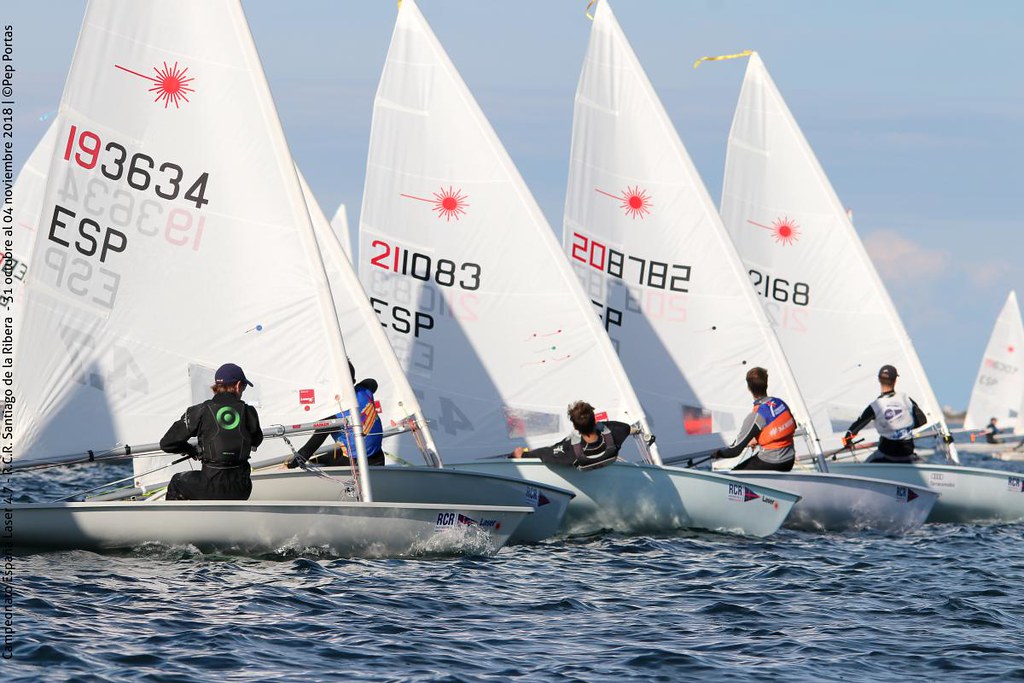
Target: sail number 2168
{"x":779,"y":289}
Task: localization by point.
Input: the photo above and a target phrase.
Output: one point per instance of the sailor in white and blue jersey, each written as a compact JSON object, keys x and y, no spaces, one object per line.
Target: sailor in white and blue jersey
{"x":896,"y":416}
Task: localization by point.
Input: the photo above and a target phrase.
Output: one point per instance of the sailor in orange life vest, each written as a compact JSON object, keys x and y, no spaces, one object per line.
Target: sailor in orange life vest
{"x":896,"y":416}
{"x":593,"y":445}
{"x":770,"y":425}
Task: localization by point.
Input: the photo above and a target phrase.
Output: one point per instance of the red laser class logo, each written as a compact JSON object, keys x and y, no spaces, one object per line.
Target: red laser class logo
{"x":448,"y":204}
{"x":170,"y":85}
{"x":636,"y":203}
{"x":784,"y":230}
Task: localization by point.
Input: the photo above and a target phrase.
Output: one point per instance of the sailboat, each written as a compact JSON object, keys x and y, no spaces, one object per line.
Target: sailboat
{"x":493,"y":329}
{"x":369,"y":348}
{"x":646,"y":241}
{"x":999,"y":388}
{"x":831,"y":312}
{"x":168,"y":241}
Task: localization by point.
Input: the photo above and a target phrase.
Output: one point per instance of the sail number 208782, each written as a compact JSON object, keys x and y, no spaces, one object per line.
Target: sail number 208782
{"x":646,"y":273}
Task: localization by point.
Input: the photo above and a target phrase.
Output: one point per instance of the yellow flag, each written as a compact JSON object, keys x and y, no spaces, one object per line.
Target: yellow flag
{"x":745,"y":53}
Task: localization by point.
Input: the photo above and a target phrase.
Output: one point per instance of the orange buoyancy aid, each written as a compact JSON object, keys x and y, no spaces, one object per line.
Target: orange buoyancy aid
{"x":779,"y":425}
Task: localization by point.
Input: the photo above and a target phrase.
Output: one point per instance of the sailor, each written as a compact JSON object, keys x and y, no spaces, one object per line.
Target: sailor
{"x":228,"y":431}
{"x":896,"y":416}
{"x":591,"y":446}
{"x":769,"y":426}
{"x":991,"y":430}
{"x":345,"y":446}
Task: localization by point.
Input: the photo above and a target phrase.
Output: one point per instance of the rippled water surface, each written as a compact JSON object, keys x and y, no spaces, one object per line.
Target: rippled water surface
{"x":943,"y":602}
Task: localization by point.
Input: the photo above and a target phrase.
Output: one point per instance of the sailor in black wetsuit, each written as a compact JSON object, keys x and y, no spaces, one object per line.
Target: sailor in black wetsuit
{"x":594,"y":444}
{"x":228,"y":430}
{"x":991,"y":430}
{"x":896,"y":416}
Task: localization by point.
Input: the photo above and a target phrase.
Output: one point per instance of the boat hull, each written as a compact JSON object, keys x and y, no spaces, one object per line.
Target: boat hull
{"x":843,"y":502}
{"x":985,"y":448}
{"x":244,"y":527}
{"x":966,"y":494}
{"x":634,"y":498}
{"x":412,"y":485}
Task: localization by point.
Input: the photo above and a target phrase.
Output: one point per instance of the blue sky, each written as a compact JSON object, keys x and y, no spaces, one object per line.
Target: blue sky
{"x":915,"y":109}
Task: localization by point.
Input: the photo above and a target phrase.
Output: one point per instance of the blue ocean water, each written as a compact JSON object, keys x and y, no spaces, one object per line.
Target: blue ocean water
{"x":943,"y":602}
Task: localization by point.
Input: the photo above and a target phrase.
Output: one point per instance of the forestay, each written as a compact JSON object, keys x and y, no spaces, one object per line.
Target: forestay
{"x":830,"y":309}
{"x":649,"y":247}
{"x":999,"y":388}
{"x":173,"y":238}
{"x":469,"y":281}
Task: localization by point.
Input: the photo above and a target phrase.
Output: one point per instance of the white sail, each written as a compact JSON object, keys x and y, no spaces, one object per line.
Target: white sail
{"x":999,"y":387}
{"x":339,"y":224}
{"x":830,"y":309}
{"x":28,"y":205}
{"x":649,"y":247}
{"x":491,"y":325}
{"x":1018,"y":424}
{"x":173,"y":238}
{"x":367,"y":344}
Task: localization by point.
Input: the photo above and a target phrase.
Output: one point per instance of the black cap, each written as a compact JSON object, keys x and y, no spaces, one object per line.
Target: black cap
{"x":887,"y":373}
{"x":229,"y":374}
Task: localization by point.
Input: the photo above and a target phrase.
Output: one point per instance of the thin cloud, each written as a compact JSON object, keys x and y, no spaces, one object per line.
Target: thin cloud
{"x":983,"y":274}
{"x":899,"y":259}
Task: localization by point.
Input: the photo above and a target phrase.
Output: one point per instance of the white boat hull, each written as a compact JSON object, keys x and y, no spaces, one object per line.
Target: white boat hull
{"x":1009,"y":456}
{"x":632,"y":498}
{"x":985,"y":448}
{"x":843,"y":502}
{"x":966,"y":494}
{"x":412,"y":485}
{"x":244,"y":527}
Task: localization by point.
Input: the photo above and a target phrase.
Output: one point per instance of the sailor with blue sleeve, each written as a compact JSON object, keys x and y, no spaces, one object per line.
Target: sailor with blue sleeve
{"x":770,"y":425}
{"x":373,"y":433}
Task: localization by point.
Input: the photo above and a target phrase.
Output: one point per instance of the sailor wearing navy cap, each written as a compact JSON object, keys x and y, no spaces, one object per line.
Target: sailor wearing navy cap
{"x":228,"y":430}
{"x":896,"y":416}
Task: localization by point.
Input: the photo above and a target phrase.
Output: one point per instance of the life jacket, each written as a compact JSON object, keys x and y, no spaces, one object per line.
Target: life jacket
{"x":373,"y":431}
{"x":894,"y":416}
{"x":592,"y":461}
{"x":779,"y":424}
{"x":224,"y":436}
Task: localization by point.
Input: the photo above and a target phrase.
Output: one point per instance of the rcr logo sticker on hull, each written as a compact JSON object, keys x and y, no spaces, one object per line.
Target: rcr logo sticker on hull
{"x":905,"y":494}
{"x":742,"y":493}
{"x":452,"y":520}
